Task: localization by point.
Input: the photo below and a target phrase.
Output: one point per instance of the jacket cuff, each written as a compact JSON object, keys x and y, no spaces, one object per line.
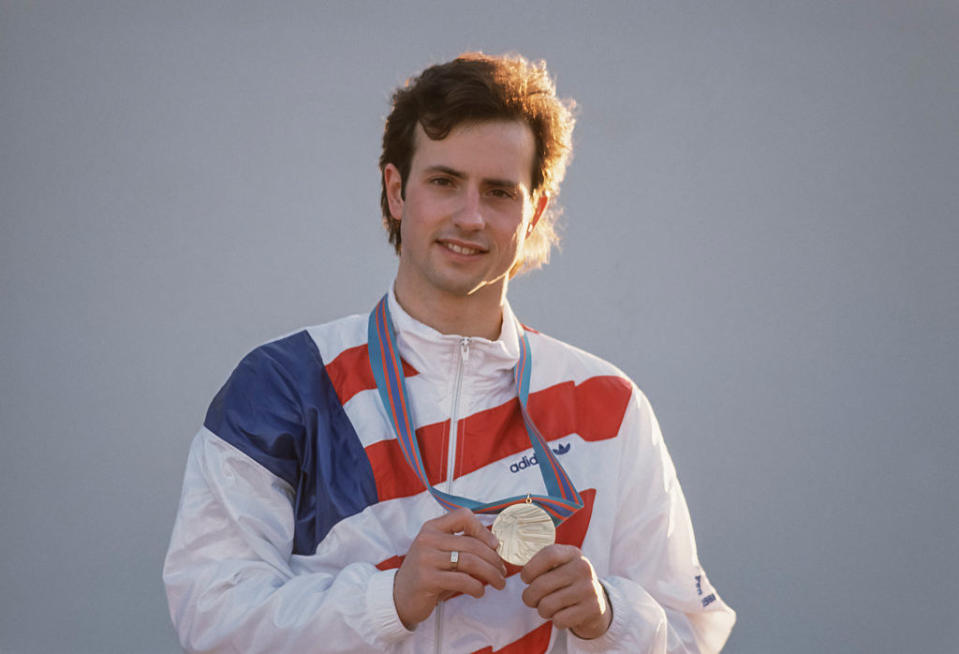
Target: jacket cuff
{"x":613,"y":636}
{"x":382,"y":611}
{"x":620,"y":636}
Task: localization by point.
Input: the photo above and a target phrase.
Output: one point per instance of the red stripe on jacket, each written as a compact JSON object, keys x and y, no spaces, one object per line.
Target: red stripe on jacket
{"x":350,"y":372}
{"x":535,"y":642}
{"x":594,"y":409}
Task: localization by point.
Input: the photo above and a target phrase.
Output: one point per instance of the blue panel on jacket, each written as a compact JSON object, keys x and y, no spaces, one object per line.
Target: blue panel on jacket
{"x":280,"y":408}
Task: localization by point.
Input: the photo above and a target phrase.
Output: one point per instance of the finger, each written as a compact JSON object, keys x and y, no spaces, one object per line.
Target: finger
{"x":564,"y":598}
{"x":463,"y":520}
{"x":461,"y":543}
{"x":476,"y":566}
{"x":446,"y":594}
{"x":455,"y":581}
{"x":478,"y":530}
{"x":548,"y":582}
{"x":574,"y":616}
{"x":546,"y":559}
{"x":474,"y":558}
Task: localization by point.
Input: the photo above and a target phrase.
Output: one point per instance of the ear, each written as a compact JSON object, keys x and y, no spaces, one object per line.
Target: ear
{"x":393,"y":182}
{"x":541,"y":203}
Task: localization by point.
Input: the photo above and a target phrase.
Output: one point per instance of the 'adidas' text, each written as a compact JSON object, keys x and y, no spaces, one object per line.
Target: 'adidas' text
{"x":528,"y":461}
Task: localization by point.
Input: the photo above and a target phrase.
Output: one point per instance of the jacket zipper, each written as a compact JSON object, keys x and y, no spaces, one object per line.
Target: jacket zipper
{"x":451,"y":455}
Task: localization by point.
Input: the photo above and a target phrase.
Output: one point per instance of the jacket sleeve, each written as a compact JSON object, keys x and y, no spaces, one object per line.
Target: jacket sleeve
{"x":661,"y":598}
{"x":233,"y":584}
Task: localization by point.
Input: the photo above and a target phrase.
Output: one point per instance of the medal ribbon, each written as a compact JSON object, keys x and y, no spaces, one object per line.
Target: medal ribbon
{"x":562,"y":500}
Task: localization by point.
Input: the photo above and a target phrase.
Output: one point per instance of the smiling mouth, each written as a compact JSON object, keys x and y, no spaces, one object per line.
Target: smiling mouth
{"x":460,"y":249}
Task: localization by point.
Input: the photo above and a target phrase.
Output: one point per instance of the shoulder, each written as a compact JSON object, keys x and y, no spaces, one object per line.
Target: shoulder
{"x":587,"y":394}
{"x":559,"y":359}
{"x":598,"y":392}
{"x":300,"y":354}
{"x":277,"y":376}
{"x":293,"y":368}
{"x":338,"y":336}
{"x":264,"y":407}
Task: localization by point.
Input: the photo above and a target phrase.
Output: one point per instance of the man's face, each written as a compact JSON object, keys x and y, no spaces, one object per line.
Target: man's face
{"x":466,"y":211}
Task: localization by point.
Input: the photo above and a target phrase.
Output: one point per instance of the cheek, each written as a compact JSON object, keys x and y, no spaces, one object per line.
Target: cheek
{"x":515,"y":235}
{"x":422,"y":211}
{"x":508,"y":225}
{"x":409,"y":231}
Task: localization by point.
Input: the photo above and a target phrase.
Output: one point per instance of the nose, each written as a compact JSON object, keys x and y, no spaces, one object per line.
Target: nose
{"x":469,"y":216}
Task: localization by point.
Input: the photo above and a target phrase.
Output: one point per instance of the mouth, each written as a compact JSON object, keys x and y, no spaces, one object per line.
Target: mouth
{"x":461,"y":248}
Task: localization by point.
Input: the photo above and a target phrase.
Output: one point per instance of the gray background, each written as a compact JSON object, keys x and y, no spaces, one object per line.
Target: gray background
{"x":761,"y":230}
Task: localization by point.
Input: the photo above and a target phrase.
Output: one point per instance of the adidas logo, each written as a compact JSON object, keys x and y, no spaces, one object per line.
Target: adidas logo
{"x":528,"y":461}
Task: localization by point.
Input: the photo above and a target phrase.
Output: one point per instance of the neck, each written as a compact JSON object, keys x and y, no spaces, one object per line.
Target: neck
{"x":480,"y":314}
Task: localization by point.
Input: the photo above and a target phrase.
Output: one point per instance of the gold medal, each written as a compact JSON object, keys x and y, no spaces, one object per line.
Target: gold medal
{"x":523,"y":530}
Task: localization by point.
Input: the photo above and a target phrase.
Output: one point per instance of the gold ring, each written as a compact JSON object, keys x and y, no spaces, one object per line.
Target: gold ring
{"x":454,"y":559}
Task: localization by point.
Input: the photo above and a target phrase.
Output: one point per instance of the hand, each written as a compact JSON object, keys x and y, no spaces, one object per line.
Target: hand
{"x":427,"y":576}
{"x":564,"y":589}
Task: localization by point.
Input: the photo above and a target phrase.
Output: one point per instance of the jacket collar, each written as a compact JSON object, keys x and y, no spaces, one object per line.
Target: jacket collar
{"x":434,"y":353}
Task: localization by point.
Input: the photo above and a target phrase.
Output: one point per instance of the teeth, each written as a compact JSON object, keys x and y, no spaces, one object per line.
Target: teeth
{"x":459,"y":249}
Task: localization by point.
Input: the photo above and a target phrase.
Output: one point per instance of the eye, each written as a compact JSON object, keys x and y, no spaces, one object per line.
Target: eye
{"x":441,"y":181}
{"x":502,"y":193}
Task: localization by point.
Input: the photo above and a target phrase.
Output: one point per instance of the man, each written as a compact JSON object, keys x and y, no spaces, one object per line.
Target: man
{"x":339,"y":495}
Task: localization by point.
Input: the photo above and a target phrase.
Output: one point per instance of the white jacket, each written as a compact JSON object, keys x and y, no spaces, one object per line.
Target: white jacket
{"x":298,"y":506}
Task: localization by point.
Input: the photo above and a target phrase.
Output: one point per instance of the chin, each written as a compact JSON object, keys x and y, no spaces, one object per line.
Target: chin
{"x":460,"y":290}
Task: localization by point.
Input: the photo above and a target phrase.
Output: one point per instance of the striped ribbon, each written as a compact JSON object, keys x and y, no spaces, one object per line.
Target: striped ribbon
{"x":562,"y":501}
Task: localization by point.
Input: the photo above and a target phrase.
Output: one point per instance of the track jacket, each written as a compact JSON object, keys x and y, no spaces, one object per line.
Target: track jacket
{"x":298,"y":506}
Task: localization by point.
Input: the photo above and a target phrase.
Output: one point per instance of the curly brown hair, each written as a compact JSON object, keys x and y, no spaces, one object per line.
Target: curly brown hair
{"x":476,"y":87}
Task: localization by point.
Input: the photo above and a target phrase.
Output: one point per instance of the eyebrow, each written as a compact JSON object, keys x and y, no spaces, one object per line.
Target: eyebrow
{"x":452,"y":172}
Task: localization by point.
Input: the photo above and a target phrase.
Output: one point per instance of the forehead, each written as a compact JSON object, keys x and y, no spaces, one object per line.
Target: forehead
{"x":492,"y":149}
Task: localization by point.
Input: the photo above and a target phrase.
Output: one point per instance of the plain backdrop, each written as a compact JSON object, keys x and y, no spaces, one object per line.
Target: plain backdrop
{"x":761,"y":228}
